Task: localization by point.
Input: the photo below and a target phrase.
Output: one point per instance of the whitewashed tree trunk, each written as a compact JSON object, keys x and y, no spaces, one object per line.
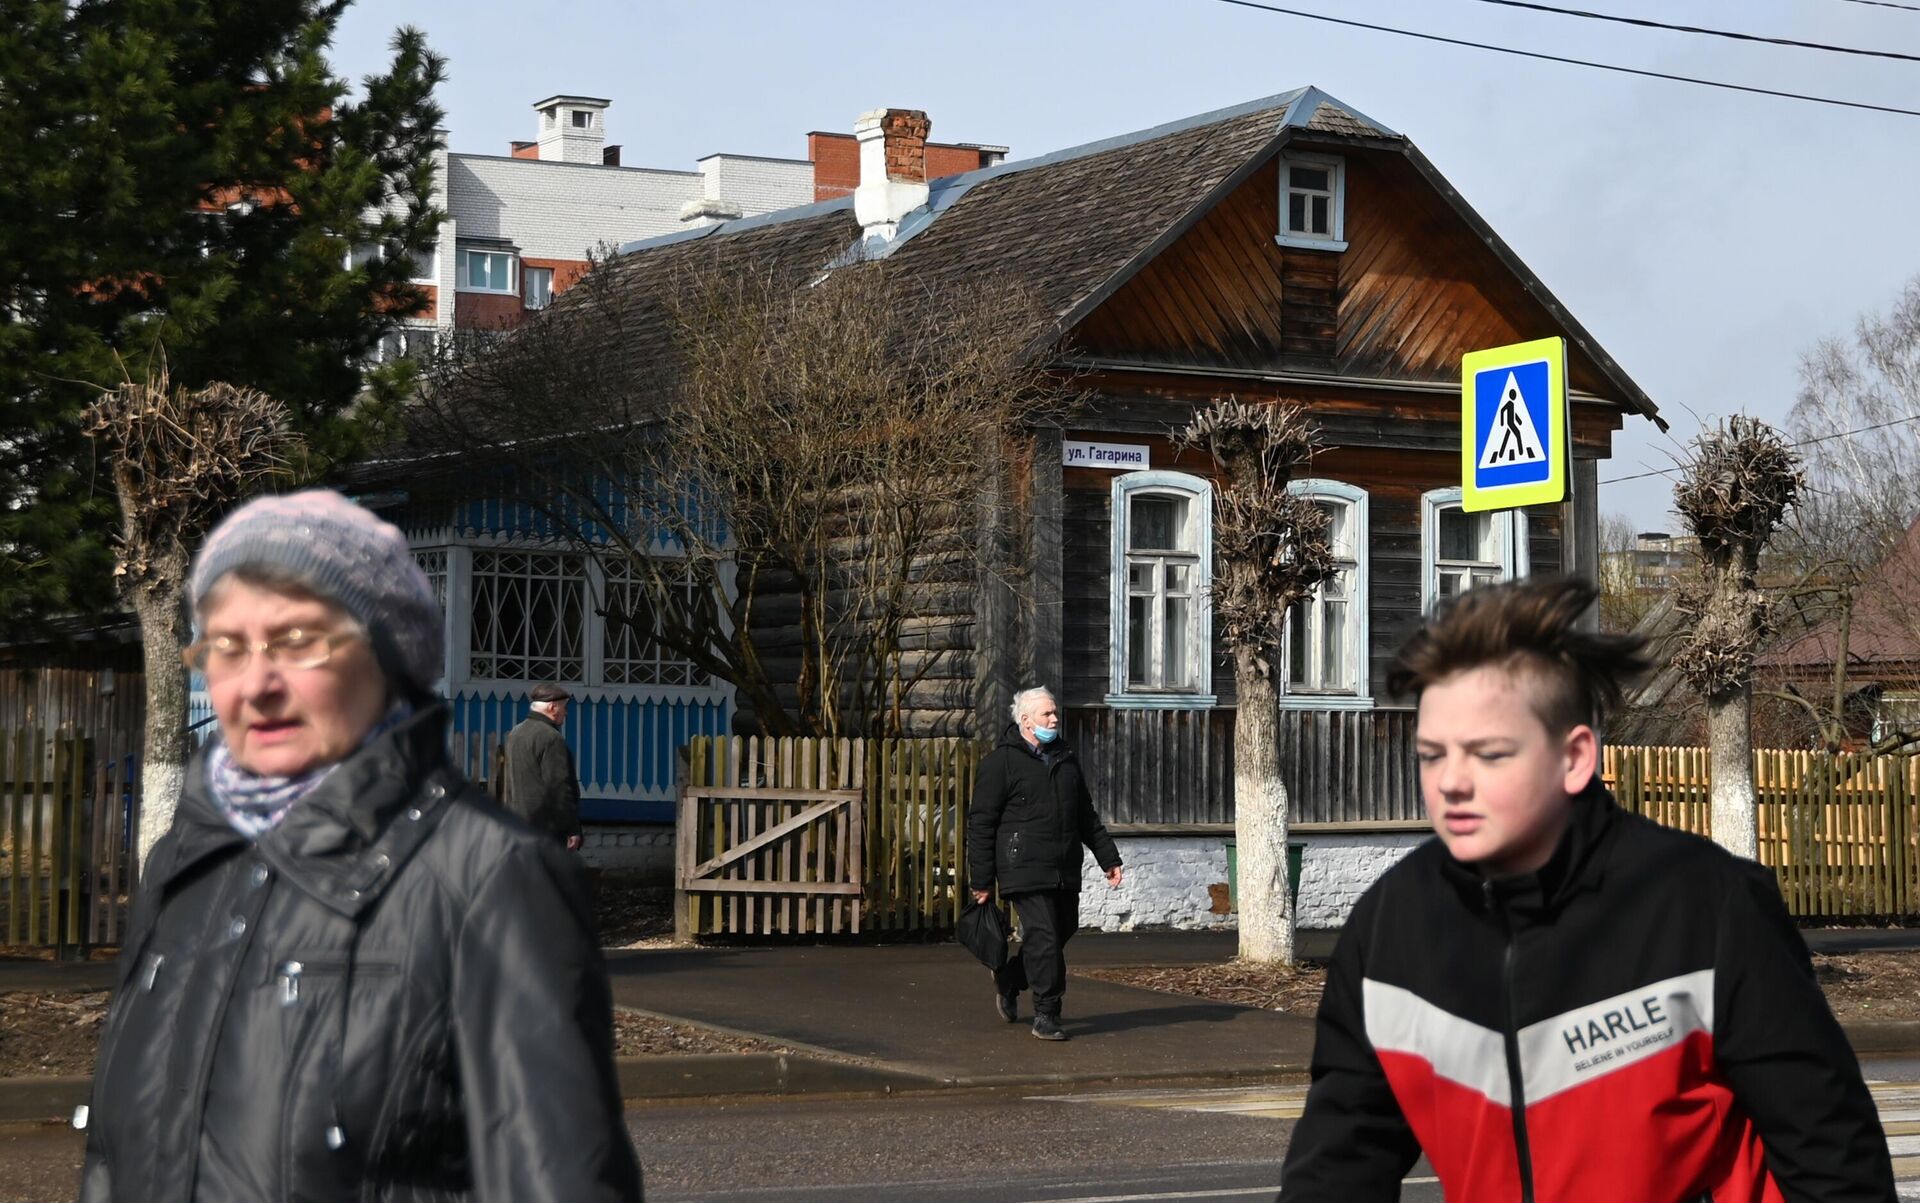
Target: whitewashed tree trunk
{"x":163,"y":761}
{"x":1730,"y":762}
{"x":1261,"y":820}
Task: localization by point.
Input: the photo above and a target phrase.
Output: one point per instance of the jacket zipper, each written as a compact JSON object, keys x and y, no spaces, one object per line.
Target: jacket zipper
{"x":1515,"y":1085}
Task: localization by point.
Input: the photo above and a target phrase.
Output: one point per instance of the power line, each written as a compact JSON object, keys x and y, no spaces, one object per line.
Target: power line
{"x":1912,"y":8}
{"x":1644,"y":23}
{"x":1574,"y":62}
{"x":1825,"y":438}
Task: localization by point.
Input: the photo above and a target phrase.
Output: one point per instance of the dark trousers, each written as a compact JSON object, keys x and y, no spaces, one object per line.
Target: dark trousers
{"x":1048,"y":920}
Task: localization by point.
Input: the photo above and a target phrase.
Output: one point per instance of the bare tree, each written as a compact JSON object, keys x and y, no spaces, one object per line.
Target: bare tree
{"x":1734,"y":492}
{"x":181,"y":458}
{"x":1624,"y":600}
{"x":1272,"y":551}
{"x":1858,"y":418}
{"x":792,"y":481}
{"x":1848,"y":548}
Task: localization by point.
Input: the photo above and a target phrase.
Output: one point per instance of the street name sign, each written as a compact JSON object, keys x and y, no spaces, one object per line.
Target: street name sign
{"x":1120,"y":457}
{"x":1513,"y":425}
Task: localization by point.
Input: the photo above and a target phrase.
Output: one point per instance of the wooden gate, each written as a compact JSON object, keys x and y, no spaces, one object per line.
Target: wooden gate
{"x":776,"y":860}
{"x":905,"y":817}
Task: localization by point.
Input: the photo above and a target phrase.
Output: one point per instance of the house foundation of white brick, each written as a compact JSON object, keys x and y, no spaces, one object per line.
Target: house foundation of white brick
{"x":1178,"y":881}
{"x":645,"y":849}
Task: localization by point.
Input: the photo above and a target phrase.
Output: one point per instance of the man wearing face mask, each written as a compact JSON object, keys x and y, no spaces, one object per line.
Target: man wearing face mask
{"x":1030,"y":819}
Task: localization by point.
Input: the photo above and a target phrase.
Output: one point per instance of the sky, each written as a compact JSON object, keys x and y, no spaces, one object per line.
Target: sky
{"x":1706,"y":238}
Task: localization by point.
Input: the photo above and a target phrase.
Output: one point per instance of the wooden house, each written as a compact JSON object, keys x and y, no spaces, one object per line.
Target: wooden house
{"x":1866,"y":645}
{"x":1287,"y":249}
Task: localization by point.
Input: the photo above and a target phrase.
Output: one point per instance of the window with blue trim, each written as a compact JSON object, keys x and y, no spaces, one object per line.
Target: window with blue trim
{"x":1327,"y":633}
{"x":1161,"y":632}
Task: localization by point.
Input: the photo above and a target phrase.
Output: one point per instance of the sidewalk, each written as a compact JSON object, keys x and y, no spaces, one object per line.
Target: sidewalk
{"x":927,"y":1011}
{"x":893,"y":1018}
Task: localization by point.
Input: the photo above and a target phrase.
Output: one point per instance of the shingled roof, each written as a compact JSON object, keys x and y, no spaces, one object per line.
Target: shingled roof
{"x":1070,"y":226}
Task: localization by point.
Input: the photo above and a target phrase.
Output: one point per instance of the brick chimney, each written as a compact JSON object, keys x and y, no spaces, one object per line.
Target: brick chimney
{"x":573,"y":129}
{"x":893,"y":169}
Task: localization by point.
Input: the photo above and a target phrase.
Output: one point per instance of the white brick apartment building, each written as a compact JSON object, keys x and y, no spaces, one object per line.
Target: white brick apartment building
{"x":520,"y":226}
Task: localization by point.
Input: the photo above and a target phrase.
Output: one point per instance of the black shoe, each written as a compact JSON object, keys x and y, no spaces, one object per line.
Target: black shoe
{"x":1008,"y":1005}
{"x":1047,"y":1027}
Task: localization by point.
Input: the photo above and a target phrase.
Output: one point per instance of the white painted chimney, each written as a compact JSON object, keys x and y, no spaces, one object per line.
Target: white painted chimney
{"x":893,"y":169}
{"x":573,"y":129}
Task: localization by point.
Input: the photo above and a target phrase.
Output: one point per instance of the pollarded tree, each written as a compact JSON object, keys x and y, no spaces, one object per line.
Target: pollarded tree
{"x":181,"y":458}
{"x":1271,"y":551}
{"x":1734,"y":493}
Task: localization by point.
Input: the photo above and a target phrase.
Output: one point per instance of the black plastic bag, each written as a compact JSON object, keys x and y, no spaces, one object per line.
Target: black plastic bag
{"x":983,"y":932}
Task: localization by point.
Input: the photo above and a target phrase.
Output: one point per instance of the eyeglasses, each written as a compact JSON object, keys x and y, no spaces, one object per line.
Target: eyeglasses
{"x":224,"y":656}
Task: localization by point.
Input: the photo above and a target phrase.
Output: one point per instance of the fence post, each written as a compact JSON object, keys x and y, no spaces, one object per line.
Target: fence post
{"x":1627,"y":779}
{"x":1900,"y":860}
{"x":685,"y":841}
{"x":68,"y":888}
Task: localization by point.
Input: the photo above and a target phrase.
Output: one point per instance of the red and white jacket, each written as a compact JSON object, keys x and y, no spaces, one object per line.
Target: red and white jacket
{"x":1637,"y":1022}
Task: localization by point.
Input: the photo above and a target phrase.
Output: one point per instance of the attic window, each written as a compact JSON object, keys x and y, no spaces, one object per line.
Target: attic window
{"x":1313,"y":202}
{"x":582,"y":119}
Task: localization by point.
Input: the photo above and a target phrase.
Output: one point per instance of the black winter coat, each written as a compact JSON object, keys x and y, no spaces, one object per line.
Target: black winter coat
{"x":543,"y":786}
{"x":1029,"y":820}
{"x":394,"y":995}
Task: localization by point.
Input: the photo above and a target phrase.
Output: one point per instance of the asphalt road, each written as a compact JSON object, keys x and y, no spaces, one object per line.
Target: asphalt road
{"x":1028,"y":1146}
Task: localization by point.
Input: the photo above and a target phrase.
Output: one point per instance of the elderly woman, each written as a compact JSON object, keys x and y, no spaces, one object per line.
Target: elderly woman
{"x":349,"y":974}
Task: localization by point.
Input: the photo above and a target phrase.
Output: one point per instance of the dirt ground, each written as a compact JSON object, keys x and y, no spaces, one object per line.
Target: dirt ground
{"x":1859,"y":986}
{"x":631,"y":915}
{"x":54,"y":1035}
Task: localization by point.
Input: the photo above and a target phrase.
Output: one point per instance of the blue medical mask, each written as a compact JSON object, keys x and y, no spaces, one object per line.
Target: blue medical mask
{"x":1046,"y":735}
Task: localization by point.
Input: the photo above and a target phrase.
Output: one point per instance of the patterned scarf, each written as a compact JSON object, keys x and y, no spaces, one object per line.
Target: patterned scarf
{"x":254,"y":804}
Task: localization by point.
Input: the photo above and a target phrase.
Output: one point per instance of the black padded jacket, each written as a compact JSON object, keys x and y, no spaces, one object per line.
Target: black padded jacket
{"x":1030,"y":817}
{"x":394,"y":995}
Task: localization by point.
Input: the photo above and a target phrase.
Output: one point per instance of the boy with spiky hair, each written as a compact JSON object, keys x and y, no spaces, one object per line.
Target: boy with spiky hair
{"x":1556,"y":1000}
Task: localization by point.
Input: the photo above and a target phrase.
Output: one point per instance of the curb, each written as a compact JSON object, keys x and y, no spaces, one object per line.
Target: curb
{"x":42,"y":1100}
{"x":720,"y":1075}
{"x":708,"y":1075}
{"x":642,"y":1079}
{"x":1883,"y":1036}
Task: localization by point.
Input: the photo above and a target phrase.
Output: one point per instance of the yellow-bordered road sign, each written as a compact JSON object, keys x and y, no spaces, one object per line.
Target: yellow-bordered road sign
{"x":1513,"y":425}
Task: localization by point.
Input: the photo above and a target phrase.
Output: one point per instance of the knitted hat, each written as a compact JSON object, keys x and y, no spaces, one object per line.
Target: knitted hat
{"x":342,"y":553}
{"x":549,"y":692}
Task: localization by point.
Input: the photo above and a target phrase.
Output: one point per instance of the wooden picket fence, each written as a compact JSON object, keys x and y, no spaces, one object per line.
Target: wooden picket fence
{"x":1837,"y":830}
{"x":902,"y":844}
{"x":65,"y":808}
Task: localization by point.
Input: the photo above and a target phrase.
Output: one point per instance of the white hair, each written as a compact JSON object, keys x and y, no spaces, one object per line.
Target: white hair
{"x":1026,"y":697}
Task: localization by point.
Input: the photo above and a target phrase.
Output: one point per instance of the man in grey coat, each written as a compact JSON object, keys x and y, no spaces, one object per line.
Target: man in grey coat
{"x":542,"y":785}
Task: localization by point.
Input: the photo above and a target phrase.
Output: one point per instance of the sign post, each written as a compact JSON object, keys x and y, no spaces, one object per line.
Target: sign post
{"x":1513,"y":425}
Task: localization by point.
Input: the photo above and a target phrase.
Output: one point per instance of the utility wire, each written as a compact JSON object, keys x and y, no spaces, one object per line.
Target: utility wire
{"x":1912,"y":8}
{"x":1574,"y":62}
{"x":1644,"y":23}
{"x":1825,"y":438}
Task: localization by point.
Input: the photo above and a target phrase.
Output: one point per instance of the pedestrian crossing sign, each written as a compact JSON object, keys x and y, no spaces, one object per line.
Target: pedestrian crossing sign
{"x":1513,"y":425}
